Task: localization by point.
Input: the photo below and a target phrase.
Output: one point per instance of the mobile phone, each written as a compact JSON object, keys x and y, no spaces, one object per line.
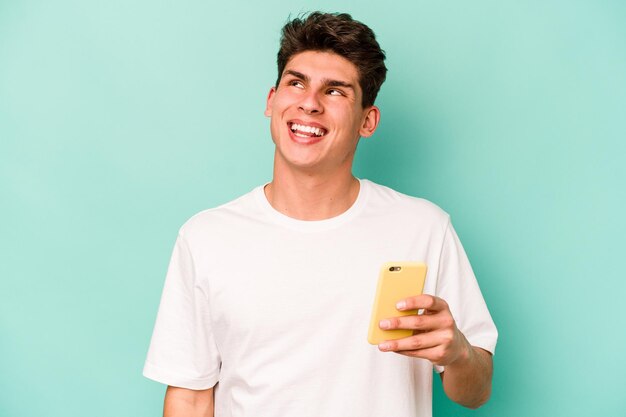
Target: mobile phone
{"x":397,"y":281}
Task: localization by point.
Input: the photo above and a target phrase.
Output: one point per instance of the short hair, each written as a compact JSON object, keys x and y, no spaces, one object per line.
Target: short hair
{"x":340,"y":34}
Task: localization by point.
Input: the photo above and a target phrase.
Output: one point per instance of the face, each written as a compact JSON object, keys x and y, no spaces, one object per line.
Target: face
{"x":316,"y":113}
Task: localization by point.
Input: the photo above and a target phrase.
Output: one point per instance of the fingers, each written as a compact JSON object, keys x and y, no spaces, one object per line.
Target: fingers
{"x":435,"y":336}
{"x":433,"y":346}
{"x":434,"y":354}
{"x":436,"y":315}
{"x":424,"y":301}
{"x":421,"y":322}
{"x":439,"y":346}
{"x":415,"y":342}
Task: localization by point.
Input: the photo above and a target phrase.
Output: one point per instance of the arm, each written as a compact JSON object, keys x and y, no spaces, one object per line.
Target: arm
{"x":467,"y":376}
{"x":468,"y":381}
{"x":182,"y":402}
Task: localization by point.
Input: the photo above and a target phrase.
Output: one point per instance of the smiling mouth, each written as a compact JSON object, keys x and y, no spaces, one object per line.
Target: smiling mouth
{"x":305,"y":131}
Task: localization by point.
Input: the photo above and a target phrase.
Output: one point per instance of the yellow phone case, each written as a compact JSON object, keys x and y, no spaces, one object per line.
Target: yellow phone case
{"x":397,"y":281}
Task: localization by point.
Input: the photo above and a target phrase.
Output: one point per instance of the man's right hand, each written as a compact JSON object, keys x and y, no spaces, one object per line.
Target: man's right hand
{"x":182,"y":402}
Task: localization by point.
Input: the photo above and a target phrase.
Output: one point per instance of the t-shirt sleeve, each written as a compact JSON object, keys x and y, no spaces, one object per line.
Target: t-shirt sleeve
{"x":457,"y":285}
{"x":182,"y":351}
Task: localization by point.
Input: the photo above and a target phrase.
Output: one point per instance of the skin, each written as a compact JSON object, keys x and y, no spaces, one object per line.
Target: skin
{"x":313,"y":181}
{"x":182,"y":402}
{"x":468,"y":369}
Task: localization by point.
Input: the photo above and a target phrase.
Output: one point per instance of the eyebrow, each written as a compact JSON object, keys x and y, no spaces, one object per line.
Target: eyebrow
{"x":326,"y":81}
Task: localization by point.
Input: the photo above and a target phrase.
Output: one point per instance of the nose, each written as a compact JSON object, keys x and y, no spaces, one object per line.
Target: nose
{"x":311,"y":104}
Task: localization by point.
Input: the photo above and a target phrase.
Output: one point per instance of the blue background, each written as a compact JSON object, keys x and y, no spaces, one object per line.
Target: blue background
{"x":119,"y":120}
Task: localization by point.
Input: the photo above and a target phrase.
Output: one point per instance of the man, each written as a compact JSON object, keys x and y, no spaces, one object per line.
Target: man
{"x":267,"y":299}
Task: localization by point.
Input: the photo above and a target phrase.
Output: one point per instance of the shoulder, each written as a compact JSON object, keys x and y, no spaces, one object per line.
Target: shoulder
{"x":400,"y":204}
{"x":223,"y":217}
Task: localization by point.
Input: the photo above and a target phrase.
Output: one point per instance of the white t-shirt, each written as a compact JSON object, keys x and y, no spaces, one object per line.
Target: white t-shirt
{"x":276,"y":309}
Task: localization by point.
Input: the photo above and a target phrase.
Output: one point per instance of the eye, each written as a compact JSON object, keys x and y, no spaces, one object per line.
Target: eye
{"x":296,"y":83}
{"x":335,"y":92}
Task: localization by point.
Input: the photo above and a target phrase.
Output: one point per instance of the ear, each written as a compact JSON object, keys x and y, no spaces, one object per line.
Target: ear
{"x":268,"y":102}
{"x":371,"y":118}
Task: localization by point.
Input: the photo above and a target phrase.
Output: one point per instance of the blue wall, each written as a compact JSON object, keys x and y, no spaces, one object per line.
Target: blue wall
{"x":119,"y":120}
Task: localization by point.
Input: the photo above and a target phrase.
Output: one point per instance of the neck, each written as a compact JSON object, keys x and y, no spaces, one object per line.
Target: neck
{"x":312,"y":197}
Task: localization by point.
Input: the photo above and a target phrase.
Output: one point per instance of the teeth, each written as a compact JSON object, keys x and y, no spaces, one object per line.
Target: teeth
{"x":307,"y":129}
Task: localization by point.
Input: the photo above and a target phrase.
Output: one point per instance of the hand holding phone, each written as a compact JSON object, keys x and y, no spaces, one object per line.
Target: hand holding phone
{"x":397,"y":281}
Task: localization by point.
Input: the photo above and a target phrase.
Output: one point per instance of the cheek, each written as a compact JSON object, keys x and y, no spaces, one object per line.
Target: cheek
{"x":285,"y":97}
{"x":275,"y":125}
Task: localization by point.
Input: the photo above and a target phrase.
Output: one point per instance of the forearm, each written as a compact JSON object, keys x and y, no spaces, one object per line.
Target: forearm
{"x":180,"y":402}
{"x":467,"y":380}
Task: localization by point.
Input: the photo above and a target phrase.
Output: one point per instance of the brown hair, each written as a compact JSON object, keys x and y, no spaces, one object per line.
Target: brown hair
{"x":342,"y":35}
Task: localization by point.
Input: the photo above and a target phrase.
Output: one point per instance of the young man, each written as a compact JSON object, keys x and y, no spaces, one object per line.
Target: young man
{"x":267,"y":299}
